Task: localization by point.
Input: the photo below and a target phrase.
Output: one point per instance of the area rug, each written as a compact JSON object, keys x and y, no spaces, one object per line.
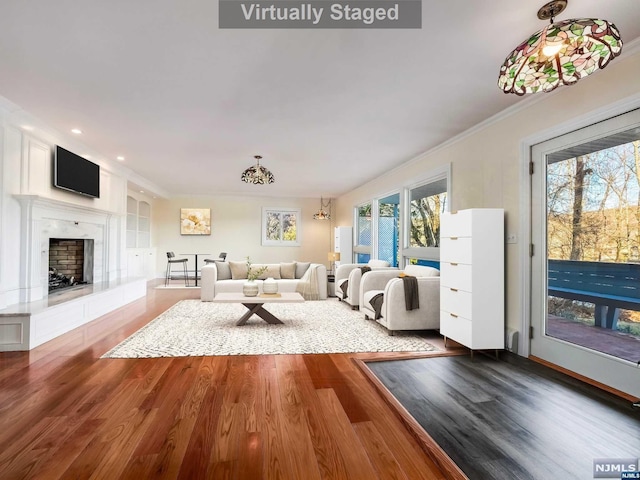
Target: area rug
{"x":195,"y":328}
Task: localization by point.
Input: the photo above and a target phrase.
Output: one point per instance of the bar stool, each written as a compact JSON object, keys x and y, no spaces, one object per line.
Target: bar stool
{"x":222,"y":256}
{"x":170,"y":261}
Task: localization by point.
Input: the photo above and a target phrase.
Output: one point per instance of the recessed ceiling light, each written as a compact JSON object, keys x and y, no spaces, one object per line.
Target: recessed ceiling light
{"x":120,"y":157}
{"x":28,"y":128}
{"x":141,"y":191}
{"x":77,"y":131}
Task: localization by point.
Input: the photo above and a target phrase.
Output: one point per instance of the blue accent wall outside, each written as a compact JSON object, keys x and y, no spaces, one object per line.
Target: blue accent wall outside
{"x":429,"y":263}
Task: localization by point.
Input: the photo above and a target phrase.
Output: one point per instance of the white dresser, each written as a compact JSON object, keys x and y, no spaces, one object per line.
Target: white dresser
{"x":343,"y":244}
{"x":472,"y":277}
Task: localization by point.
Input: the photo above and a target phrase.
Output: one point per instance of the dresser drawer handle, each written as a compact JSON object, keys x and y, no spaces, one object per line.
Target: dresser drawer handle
{"x":453,"y":315}
{"x":453,"y":264}
{"x":454,"y":238}
{"x":454,"y":289}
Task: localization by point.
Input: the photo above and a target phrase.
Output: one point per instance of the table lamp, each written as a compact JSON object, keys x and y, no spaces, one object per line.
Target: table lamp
{"x":333,"y":257}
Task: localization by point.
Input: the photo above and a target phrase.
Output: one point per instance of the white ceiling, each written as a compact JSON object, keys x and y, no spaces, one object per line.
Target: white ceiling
{"x":189,"y":105}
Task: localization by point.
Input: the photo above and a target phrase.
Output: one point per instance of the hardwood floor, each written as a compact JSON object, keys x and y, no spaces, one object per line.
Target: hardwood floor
{"x":65,"y":413}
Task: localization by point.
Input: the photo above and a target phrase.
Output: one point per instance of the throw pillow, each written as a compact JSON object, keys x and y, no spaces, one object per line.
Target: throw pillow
{"x":273,"y":270}
{"x":301,"y":268}
{"x":224,"y":271}
{"x":288,"y":270}
{"x":238,"y":270}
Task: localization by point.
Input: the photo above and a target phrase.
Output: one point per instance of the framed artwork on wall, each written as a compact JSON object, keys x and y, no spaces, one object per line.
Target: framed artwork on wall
{"x":195,"y":221}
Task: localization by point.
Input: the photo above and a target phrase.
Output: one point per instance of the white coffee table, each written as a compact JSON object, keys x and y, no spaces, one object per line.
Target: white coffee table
{"x":254,"y":304}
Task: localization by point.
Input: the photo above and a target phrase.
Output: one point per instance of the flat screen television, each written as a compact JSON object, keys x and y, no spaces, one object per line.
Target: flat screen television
{"x":76,"y":174}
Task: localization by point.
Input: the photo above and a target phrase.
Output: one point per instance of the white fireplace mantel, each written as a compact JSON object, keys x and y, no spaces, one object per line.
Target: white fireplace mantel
{"x":44,"y":218}
{"x":31,"y":201}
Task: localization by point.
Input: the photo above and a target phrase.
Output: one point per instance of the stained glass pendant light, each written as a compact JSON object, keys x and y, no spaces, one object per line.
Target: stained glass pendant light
{"x":257,"y":174}
{"x":322,"y":214}
{"x":560,"y":54}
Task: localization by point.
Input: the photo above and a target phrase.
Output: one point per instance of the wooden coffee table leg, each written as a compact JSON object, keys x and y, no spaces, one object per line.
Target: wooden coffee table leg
{"x":253,"y":308}
{"x":268,"y":317}
{"x":256,"y":308}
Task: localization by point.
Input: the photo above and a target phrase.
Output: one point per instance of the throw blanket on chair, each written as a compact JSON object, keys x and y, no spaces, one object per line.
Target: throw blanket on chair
{"x":345,"y":284}
{"x":308,"y":284}
{"x":411,"y":300}
{"x":376,"y":303}
{"x":343,"y":288}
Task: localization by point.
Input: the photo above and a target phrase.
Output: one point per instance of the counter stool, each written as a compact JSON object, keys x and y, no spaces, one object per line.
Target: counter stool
{"x":222,"y":256}
{"x":170,"y":261}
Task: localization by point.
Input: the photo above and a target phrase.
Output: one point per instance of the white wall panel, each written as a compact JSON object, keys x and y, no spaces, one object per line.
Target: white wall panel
{"x":10,"y":245}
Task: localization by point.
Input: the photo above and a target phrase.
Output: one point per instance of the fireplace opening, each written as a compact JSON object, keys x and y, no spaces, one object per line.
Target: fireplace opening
{"x":70,"y":262}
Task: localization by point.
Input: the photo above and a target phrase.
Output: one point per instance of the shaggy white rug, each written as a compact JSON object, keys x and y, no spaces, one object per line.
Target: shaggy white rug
{"x":195,"y":328}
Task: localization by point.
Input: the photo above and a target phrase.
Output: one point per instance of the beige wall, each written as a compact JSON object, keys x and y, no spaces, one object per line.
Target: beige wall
{"x":487,"y":165}
{"x":236,"y":229}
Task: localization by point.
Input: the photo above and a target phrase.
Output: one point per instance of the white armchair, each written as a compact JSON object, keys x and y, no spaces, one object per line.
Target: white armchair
{"x":352,"y":272}
{"x":394,"y":314}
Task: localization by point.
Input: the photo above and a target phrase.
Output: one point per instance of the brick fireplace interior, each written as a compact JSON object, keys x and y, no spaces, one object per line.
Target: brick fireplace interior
{"x":71,"y":260}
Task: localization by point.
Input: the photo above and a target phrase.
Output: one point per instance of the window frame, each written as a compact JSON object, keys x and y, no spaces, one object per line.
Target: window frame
{"x":281,"y":243}
{"x":422,"y":253}
{"x":357,"y":248}
{"x":376,"y":223}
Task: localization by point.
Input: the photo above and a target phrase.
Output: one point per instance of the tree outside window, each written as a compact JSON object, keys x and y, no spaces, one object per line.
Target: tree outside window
{"x":427,"y":203}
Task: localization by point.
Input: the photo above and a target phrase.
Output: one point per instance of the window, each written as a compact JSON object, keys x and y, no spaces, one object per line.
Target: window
{"x":425,"y":202}
{"x":362,"y":248}
{"x":387,"y":228}
{"x":280,"y":227}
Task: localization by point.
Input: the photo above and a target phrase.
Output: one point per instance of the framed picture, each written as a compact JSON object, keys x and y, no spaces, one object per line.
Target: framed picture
{"x":195,"y":221}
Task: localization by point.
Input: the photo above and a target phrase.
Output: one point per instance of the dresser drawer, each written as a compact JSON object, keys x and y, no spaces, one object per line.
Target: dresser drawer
{"x":456,"y":276}
{"x":456,"y":224}
{"x":455,"y":249}
{"x":455,"y":328}
{"x":456,"y":301}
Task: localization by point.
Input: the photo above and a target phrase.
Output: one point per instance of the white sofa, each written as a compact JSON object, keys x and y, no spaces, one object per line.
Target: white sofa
{"x":353,"y":272}
{"x":394,"y":314}
{"x":219,"y":277}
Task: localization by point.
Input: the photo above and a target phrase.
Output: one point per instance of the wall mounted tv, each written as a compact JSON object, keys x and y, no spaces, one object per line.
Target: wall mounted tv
{"x":76,"y":174}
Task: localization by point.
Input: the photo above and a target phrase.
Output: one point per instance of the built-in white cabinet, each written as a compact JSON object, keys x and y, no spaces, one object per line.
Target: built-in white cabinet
{"x":138,"y":223}
{"x":144,"y":225}
{"x":141,"y":262}
{"x":132,"y":222}
{"x":141,"y":258}
{"x":343,"y":244}
{"x":472,"y":277}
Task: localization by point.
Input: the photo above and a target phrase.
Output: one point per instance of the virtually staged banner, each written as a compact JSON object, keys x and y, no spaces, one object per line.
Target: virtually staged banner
{"x":320,"y":14}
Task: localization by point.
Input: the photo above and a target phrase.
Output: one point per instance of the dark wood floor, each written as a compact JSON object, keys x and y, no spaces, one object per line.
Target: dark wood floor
{"x":67,"y":414}
{"x":512,"y":418}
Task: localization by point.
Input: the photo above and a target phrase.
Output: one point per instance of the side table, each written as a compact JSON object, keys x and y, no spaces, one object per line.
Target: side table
{"x":331,"y":285}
